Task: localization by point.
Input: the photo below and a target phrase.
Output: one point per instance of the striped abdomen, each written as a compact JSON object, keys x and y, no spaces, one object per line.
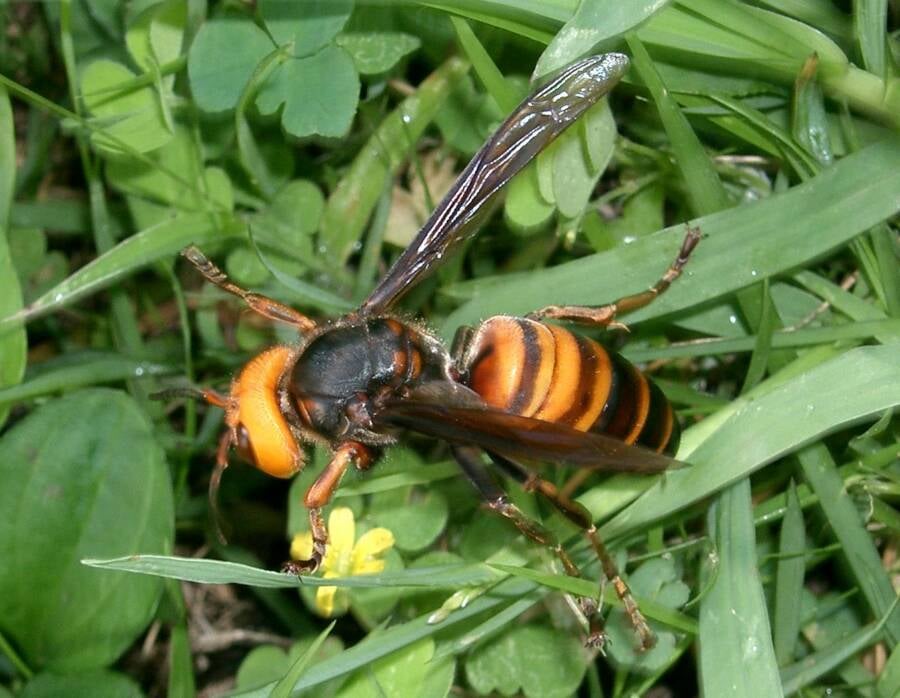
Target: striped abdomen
{"x":546,"y":372}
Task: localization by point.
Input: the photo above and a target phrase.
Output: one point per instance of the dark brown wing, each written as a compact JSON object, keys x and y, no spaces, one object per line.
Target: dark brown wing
{"x":521,"y":437}
{"x":529,"y":129}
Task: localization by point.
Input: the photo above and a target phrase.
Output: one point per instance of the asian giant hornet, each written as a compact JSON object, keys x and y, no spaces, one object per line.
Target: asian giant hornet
{"x":518,"y":389}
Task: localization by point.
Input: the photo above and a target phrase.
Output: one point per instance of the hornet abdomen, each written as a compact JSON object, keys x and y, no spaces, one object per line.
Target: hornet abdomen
{"x":546,"y":372}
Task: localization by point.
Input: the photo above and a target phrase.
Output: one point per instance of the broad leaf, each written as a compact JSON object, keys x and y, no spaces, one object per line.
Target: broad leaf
{"x":82,"y":476}
{"x":222,"y":58}
{"x":319,"y":93}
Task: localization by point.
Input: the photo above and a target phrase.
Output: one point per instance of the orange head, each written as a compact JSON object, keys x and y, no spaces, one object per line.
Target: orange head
{"x":257,"y":428}
{"x":260,"y":432}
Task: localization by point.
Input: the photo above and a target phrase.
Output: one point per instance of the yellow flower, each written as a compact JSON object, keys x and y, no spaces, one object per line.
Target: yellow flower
{"x":342,"y":557}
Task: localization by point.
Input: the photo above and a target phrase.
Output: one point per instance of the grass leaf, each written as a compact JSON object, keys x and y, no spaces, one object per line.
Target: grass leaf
{"x":740,"y":660}
{"x":856,"y":385}
{"x":13,"y":341}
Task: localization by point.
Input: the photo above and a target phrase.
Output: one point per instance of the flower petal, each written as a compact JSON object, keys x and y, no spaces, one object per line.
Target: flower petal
{"x":301,"y":546}
{"x":370,"y":545}
{"x":341,"y":530}
{"x":325,"y":600}
{"x":369,"y":567}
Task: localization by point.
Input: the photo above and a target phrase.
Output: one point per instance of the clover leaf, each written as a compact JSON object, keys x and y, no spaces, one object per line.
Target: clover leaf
{"x":314,"y":84}
{"x":222,"y":59}
{"x":319,"y":93}
{"x":533,"y":659}
{"x":123,"y":117}
{"x":374,"y":53}
{"x":308,"y":25}
{"x":658,"y":580}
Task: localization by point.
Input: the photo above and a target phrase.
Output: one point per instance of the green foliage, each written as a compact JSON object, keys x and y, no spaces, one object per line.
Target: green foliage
{"x":733,"y":615}
{"x":417,"y":517}
{"x":314,"y":82}
{"x":223,"y":58}
{"x":374,"y":53}
{"x":531,"y":659}
{"x":330,"y":89}
{"x":268,"y":663}
{"x":299,"y":144}
{"x":13,"y":342}
{"x":655,"y":580}
{"x":69,"y":494}
{"x":414,"y":671}
{"x":99,"y":684}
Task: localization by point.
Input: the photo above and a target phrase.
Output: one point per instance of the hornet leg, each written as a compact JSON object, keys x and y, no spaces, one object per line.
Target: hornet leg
{"x":318,"y":496}
{"x":265,"y":306}
{"x":580,"y":516}
{"x":469,"y":460}
{"x":605,"y":315}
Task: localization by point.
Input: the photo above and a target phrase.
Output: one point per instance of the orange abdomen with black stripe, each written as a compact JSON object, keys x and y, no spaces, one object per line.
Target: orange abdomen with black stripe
{"x":546,"y":372}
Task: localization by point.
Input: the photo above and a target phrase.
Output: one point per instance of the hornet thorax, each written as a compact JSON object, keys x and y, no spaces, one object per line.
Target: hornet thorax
{"x":343,"y":374}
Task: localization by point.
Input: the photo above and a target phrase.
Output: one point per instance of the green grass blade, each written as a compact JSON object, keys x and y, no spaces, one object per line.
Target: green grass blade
{"x":594,"y":23}
{"x":588,"y":588}
{"x":219,"y":572}
{"x":13,"y":343}
{"x":64,"y":217}
{"x":382,"y":483}
{"x":856,"y":543}
{"x":809,"y":118}
{"x":496,"y":623}
{"x":762,"y":347}
{"x":888,"y":685}
{"x":804,"y":672}
{"x":769,"y":237}
{"x":485,"y":68}
{"x":789,"y":579}
{"x":870,"y":22}
{"x":283,"y":688}
{"x":887,"y":256}
{"x":776,"y":138}
{"x":535,"y":19}
{"x":738,"y":658}
{"x":887,"y":331}
{"x":181,"y":673}
{"x":856,"y":385}
{"x":157,"y":242}
{"x":852,"y":306}
{"x":399,"y":636}
{"x":94,"y":369}
{"x":821,"y":15}
{"x":705,"y":191}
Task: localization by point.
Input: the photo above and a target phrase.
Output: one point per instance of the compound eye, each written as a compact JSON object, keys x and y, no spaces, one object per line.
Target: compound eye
{"x":243,"y":447}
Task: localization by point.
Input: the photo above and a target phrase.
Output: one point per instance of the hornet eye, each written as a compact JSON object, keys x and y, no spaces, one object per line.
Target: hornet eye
{"x":243,"y":447}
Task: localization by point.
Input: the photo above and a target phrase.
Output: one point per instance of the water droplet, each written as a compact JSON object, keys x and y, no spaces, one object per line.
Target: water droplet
{"x":406,"y":118}
{"x":628,"y":239}
{"x":751,"y":647}
{"x":139,"y":371}
{"x":58,"y":298}
{"x":810,"y":408}
{"x":732,"y":319}
{"x":753,"y":272}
